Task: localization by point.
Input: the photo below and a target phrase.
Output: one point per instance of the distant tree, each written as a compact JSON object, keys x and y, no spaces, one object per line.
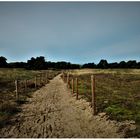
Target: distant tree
{"x":138,"y":65}
{"x":37,"y":63}
{"x":17,"y":65}
{"x":103,"y":64}
{"x":113,"y":65}
{"x":40,"y":62}
{"x":131,"y":64}
{"x":122,"y":64}
{"x":89,"y":65}
{"x":75,"y":66}
{"x":66,"y":65}
{"x":61,"y":65}
{"x":3,"y":62}
{"x":50,"y":64}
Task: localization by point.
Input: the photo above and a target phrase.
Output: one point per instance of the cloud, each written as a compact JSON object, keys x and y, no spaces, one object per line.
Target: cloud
{"x":77,"y":32}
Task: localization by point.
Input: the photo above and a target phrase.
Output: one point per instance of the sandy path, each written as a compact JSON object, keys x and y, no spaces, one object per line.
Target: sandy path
{"x":54,"y":113}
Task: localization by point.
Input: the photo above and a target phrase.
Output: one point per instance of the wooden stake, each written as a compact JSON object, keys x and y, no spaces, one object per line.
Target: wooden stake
{"x":40,"y":79}
{"x":84,"y":87}
{"x":16,"y":85}
{"x":72,"y":85}
{"x":25,"y":85}
{"x":63,"y":77}
{"x":77,"y":89}
{"x":48,"y":75}
{"x":46,"y":78}
{"x":43,"y":77}
{"x":67,"y":80}
{"x":35,"y":81}
{"x":93,"y":102}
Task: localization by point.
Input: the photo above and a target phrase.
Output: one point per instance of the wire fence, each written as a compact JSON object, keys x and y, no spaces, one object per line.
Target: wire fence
{"x":117,"y":94}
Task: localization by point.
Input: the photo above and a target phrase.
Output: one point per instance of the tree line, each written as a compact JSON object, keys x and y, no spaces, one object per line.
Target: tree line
{"x":39,"y":63}
{"x":103,"y":64}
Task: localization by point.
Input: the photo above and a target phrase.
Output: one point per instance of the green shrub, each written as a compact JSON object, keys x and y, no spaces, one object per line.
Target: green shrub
{"x":9,"y":108}
{"x":119,"y":113}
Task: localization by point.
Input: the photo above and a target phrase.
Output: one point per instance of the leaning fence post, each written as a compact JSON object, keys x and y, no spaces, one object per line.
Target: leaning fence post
{"x":16,"y":85}
{"x":77,"y":88}
{"x":93,"y":102}
{"x":35,"y":81}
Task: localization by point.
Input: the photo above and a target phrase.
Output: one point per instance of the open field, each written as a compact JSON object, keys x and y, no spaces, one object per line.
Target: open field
{"x":8,"y":103}
{"x":52,"y":111}
{"x":117,"y":92}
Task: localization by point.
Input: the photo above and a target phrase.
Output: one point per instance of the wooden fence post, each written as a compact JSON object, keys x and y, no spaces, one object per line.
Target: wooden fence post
{"x":16,"y":85}
{"x":40,"y":79}
{"x":72,"y":85}
{"x":35,"y":81}
{"x":46,"y":78}
{"x":43,"y":78}
{"x":68,"y":80}
{"x":25,"y":85}
{"x":84,"y":87}
{"x":63,"y":77}
{"x":77,"y":88}
{"x":93,"y":102}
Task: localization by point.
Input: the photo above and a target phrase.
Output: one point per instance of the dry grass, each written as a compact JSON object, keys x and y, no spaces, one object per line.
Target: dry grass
{"x":105,"y":71}
{"x":117,"y":92}
{"x":8,"y":103}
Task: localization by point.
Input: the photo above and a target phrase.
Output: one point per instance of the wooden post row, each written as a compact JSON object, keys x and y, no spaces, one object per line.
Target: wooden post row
{"x":16,"y":86}
{"x":93,"y":102}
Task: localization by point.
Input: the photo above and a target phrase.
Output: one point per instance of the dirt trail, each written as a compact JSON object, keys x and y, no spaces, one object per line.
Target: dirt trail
{"x":54,"y":113}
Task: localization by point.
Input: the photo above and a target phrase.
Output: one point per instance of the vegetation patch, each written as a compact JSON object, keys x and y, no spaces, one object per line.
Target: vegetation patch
{"x":9,"y":105}
{"x":119,"y":113}
{"x":117,"y":92}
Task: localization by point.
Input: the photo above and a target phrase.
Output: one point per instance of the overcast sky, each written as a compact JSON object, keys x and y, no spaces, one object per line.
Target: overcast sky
{"x":78,"y":32}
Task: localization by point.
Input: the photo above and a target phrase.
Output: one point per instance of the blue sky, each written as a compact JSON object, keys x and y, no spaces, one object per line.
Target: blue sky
{"x":78,"y":32}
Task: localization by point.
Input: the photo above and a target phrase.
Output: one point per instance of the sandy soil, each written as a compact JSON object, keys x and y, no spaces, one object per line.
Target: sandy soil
{"x":53,"y":112}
